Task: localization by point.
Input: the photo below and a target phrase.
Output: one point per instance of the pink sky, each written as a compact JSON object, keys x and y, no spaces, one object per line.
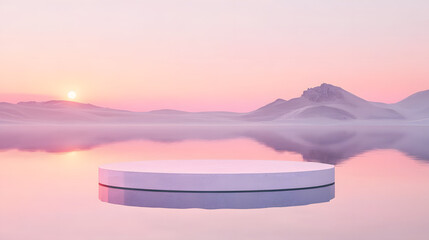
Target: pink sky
{"x":210,"y":55}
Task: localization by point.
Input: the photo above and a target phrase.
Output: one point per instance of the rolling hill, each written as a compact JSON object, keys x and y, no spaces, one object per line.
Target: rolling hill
{"x":321,"y":104}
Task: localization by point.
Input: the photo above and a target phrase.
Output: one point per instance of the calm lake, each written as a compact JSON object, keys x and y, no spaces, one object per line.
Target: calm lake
{"x":49,"y":183}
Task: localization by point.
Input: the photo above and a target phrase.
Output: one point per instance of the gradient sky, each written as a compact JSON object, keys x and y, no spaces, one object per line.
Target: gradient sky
{"x":210,"y":55}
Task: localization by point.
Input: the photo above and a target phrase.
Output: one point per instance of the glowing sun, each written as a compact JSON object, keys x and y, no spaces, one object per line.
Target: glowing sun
{"x":71,"y":95}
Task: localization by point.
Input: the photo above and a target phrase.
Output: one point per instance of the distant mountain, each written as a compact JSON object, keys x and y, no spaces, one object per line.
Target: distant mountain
{"x":55,"y":111}
{"x":415,"y":106}
{"x":66,"y":112}
{"x":325,"y":103}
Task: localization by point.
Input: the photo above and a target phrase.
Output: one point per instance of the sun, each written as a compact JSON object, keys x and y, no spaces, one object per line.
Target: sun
{"x":71,"y":95}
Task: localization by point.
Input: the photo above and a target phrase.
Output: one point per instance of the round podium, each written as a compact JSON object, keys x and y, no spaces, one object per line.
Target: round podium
{"x":216,"y":175}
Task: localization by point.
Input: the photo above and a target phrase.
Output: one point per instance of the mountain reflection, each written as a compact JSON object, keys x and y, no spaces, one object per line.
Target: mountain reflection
{"x":216,"y":200}
{"x":327,"y":144}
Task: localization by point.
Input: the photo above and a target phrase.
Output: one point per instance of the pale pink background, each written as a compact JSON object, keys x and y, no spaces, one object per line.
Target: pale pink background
{"x":210,"y":55}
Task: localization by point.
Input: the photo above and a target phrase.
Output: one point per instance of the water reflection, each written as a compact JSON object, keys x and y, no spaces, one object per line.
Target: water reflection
{"x":328,"y":144}
{"x":218,"y":200}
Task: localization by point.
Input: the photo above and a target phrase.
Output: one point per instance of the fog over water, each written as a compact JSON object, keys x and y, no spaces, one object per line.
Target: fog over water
{"x":328,"y":144}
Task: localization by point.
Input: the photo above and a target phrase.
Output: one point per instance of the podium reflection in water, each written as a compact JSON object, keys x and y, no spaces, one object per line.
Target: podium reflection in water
{"x":216,"y":200}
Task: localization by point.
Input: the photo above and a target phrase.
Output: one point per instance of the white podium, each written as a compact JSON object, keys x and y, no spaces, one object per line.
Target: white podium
{"x":216,"y":175}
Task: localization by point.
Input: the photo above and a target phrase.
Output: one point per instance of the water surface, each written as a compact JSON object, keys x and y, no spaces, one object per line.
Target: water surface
{"x":49,"y":187}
